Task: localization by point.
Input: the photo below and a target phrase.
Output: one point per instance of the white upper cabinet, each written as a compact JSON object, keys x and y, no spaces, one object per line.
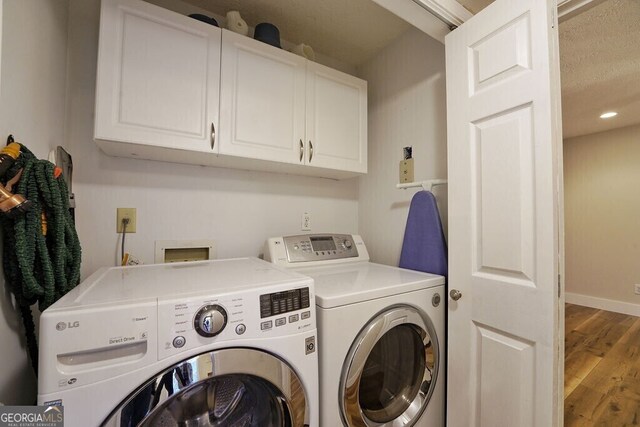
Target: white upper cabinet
{"x":175,"y":89}
{"x":336,"y":119}
{"x":158,"y":77}
{"x":262,"y":102}
{"x":279,"y":106}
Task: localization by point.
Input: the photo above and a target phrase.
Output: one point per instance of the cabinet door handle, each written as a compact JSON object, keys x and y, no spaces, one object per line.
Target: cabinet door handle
{"x":213,"y":135}
{"x":301,"y":150}
{"x":310,"y":151}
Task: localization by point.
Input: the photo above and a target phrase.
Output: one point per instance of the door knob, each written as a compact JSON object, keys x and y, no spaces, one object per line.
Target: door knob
{"x":455,"y":294}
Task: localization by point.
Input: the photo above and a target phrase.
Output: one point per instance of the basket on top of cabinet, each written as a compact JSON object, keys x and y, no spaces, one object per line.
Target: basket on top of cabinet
{"x":174,"y":89}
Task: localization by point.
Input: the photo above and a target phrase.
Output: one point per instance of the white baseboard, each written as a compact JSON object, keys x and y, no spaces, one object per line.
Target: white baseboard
{"x":603,"y":304}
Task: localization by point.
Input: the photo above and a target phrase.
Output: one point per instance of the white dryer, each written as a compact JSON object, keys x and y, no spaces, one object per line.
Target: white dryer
{"x":381,"y":333}
{"x":213,"y":343}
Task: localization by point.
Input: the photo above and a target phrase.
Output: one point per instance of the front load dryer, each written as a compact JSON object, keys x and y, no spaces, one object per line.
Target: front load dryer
{"x":381,"y":333}
{"x":213,"y":343}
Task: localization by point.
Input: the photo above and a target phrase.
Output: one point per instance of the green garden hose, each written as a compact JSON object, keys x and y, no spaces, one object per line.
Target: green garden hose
{"x":42,"y":251}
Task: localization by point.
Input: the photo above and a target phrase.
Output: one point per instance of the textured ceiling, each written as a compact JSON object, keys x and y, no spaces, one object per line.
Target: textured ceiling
{"x":350,"y":31}
{"x":600,"y":63}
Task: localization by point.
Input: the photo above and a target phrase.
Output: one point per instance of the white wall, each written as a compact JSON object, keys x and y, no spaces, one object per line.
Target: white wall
{"x":32,"y":98}
{"x":238,"y":209}
{"x":407,"y":106}
{"x":602,"y":215}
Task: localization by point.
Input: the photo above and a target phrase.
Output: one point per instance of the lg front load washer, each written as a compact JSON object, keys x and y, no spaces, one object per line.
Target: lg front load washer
{"x":213,"y":343}
{"x":381,"y":333}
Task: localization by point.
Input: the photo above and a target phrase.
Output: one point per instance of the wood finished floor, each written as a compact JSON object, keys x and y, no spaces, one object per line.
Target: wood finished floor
{"x":602,"y":368}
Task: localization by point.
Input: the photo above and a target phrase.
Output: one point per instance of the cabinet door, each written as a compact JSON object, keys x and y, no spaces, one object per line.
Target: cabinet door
{"x":158,"y":77}
{"x":336,"y":119}
{"x":262,"y":101}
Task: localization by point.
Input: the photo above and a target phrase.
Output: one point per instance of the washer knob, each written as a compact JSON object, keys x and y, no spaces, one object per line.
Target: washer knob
{"x":347,"y":243}
{"x":210,"y":320}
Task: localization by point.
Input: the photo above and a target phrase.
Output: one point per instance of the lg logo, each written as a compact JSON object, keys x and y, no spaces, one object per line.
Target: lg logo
{"x":61,"y":326}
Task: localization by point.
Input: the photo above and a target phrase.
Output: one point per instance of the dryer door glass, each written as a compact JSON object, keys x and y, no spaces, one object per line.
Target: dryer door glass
{"x":390,"y":370}
{"x":230,"y":387}
{"x":393,"y":374}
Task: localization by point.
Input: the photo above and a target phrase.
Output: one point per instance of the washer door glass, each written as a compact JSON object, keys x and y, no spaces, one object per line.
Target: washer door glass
{"x":230,"y":387}
{"x":390,"y":370}
{"x":227,"y":400}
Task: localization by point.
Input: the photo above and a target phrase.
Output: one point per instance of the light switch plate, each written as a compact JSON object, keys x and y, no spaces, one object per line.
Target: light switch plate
{"x":406,"y":171}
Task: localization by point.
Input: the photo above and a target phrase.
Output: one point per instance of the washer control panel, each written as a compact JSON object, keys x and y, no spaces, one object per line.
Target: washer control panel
{"x":283,"y":302}
{"x":210,"y":320}
{"x":190,"y":322}
{"x":319,"y":247}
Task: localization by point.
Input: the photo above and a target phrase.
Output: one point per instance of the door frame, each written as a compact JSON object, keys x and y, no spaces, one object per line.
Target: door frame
{"x":570,"y":8}
{"x":438,"y":17}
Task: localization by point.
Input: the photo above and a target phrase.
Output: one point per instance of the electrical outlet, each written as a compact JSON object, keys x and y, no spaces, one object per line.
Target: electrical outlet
{"x":306,"y":221}
{"x":636,"y":288}
{"x":122,"y":213}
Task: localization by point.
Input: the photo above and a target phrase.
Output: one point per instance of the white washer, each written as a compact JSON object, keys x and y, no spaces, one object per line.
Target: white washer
{"x":381,"y":333}
{"x":213,"y":343}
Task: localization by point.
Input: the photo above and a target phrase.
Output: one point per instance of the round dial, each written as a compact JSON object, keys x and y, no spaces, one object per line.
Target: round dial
{"x":210,"y":320}
{"x":347,"y":244}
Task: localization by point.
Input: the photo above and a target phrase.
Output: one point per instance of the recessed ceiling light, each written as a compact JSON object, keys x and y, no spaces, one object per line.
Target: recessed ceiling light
{"x":608,"y":115}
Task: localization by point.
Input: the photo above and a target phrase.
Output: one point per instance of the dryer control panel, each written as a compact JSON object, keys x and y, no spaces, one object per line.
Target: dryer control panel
{"x":315,"y":249}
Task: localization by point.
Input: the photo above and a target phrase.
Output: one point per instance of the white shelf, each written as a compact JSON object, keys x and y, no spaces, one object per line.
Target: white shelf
{"x":426,"y":185}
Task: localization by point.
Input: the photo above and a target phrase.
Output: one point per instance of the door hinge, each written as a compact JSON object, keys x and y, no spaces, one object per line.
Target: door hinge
{"x":554,"y":13}
{"x":559,"y":286}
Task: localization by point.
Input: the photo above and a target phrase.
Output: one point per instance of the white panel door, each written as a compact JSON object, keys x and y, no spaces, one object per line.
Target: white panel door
{"x":158,"y":77}
{"x":336,"y":119}
{"x":504,"y":141}
{"x":262,"y":101}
